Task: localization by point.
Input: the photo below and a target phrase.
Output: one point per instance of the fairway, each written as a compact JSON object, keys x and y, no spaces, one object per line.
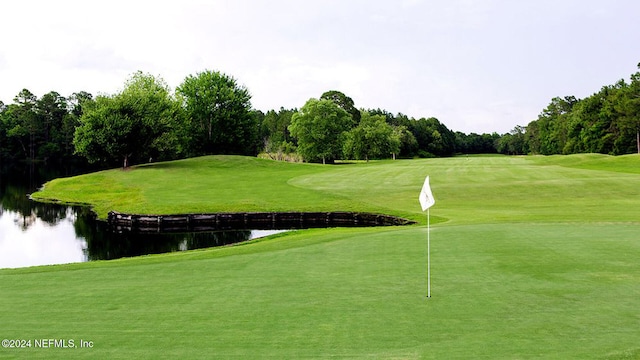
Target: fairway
{"x":532,"y":257}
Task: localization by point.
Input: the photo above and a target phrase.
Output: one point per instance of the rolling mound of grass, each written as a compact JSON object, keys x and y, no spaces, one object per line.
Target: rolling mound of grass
{"x":536,"y":258}
{"x":599,"y":162}
{"x":472,"y":190}
{"x":206,"y":184}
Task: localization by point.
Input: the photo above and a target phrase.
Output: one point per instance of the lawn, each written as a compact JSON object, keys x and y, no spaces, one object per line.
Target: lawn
{"x":532,"y":257}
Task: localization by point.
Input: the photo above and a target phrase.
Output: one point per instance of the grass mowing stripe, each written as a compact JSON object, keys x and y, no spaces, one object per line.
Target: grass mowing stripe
{"x":468,"y":190}
{"x":517,"y":291}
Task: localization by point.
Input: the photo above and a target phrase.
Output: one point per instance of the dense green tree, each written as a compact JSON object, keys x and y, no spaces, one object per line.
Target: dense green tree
{"x":3,"y":134}
{"x":462,"y":146}
{"x":345,"y":102}
{"x":433,"y":137}
{"x":549,"y":134}
{"x":274,"y":131}
{"x":38,"y":129}
{"x":76,"y":102}
{"x":51,"y":110}
{"x":22,"y":123}
{"x":319,"y":128}
{"x":512,"y":143}
{"x":590,"y":123}
{"x":401,"y":124}
{"x":218,"y":114}
{"x":388,"y":116}
{"x":474,"y":143}
{"x":373,"y":138}
{"x":423,"y":137}
{"x":605,"y":122}
{"x":610,"y":114}
{"x":629,"y":124}
{"x":128,"y":124}
{"x":408,"y":144}
{"x":11,"y":146}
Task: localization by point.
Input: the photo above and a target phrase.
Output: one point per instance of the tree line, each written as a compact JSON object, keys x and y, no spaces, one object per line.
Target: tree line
{"x":606,"y":122}
{"x":210,"y":113}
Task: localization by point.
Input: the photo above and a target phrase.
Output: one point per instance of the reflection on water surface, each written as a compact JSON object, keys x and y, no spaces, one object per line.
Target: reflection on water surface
{"x":33,"y":233}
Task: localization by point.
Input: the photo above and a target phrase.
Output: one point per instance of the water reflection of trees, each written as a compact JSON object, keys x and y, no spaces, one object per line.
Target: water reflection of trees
{"x":15,"y":186}
{"x":14,"y":199}
{"x":103,"y":244}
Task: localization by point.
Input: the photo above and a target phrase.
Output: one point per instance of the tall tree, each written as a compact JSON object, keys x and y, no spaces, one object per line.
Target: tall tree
{"x":3,"y":134}
{"x":345,"y":102}
{"x":433,"y":137}
{"x":401,"y":124}
{"x":51,"y":110}
{"x":373,"y":138}
{"x":630,"y":111}
{"x":549,"y":134}
{"x":275,"y":130}
{"x":218,"y":111}
{"x":512,"y":143}
{"x":76,"y":102}
{"x":126,"y":124}
{"x":21,"y":123}
{"x":319,"y":127}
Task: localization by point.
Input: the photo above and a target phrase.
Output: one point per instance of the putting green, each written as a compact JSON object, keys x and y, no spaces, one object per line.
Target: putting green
{"x":499,"y":292}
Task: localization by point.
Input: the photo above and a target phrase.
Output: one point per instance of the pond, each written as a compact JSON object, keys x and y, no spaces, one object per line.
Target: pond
{"x":33,"y":233}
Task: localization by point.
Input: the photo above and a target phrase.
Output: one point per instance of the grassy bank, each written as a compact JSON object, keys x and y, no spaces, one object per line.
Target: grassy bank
{"x":536,"y":257}
{"x":207,"y":184}
{"x":471,"y":190}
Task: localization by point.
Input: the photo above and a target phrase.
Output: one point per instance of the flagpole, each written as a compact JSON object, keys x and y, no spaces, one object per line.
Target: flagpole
{"x":428,"y":254}
{"x":426,"y":201}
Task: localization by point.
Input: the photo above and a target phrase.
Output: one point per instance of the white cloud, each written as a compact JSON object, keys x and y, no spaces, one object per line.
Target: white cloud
{"x":39,"y":244}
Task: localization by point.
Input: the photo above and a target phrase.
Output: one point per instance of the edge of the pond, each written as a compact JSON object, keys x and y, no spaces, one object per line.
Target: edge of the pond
{"x":273,"y":220}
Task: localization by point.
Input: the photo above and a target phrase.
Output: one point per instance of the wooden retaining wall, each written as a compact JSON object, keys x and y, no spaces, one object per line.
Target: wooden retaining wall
{"x":248,"y":221}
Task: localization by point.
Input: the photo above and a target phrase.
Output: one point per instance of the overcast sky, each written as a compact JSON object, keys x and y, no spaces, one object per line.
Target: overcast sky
{"x":478,"y":66}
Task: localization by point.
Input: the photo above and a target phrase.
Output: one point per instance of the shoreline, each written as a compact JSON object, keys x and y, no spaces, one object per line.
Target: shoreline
{"x":122,"y":222}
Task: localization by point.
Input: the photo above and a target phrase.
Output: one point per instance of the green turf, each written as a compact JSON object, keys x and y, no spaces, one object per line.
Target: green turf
{"x":474,"y":189}
{"x":206,"y":184}
{"x":535,"y":257}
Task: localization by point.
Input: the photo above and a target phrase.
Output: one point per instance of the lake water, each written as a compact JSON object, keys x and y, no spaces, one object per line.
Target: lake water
{"x":33,"y":233}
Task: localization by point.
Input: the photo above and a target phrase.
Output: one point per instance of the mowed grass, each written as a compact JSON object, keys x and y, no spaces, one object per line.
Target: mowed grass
{"x":533,"y":257}
{"x":474,"y":189}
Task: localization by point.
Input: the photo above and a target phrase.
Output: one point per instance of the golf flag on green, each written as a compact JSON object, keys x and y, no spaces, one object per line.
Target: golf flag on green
{"x":426,"y":197}
{"x":427,"y":201}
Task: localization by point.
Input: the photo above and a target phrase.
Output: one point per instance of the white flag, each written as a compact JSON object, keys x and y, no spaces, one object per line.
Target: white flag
{"x":426,"y":197}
